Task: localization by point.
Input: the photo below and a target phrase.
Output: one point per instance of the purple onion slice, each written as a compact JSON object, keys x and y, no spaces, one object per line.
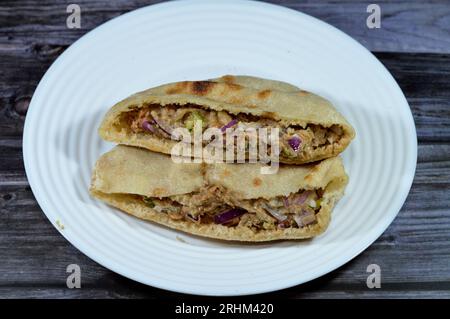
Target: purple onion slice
{"x":228,"y":125}
{"x":279,"y":216}
{"x":295,"y":142}
{"x":301,"y":198}
{"x":146,"y":125}
{"x":305,"y":218}
{"x":228,"y":215}
{"x":163,"y":126}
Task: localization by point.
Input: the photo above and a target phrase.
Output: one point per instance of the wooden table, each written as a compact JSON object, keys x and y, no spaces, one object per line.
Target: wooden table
{"x":414,"y":252}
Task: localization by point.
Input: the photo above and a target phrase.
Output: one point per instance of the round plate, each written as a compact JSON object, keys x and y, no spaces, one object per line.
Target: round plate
{"x":200,"y":40}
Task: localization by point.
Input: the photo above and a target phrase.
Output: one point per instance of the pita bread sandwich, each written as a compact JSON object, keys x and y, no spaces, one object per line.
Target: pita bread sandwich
{"x":310,"y":128}
{"x":223,"y":201}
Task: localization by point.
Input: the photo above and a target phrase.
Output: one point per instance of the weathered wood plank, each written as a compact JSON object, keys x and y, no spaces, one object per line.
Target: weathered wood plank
{"x":406,"y":26}
{"x":424,"y":80}
{"x":345,"y":292}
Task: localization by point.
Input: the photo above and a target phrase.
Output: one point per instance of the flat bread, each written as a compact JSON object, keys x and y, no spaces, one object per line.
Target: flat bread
{"x":123,"y":175}
{"x":256,"y":97}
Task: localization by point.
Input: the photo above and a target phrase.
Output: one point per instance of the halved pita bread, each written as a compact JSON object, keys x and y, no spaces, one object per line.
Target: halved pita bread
{"x":124,"y":175}
{"x":322,"y":130}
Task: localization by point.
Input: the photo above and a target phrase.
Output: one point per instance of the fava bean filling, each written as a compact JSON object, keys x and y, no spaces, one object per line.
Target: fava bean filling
{"x":213,"y":205}
{"x":295,"y":141}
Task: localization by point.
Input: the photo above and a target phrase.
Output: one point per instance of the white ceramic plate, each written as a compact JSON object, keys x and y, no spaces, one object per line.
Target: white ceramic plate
{"x":199,"y":40}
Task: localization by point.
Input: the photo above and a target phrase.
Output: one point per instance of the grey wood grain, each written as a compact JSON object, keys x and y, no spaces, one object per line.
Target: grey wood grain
{"x":345,"y":292}
{"x":406,"y":26}
{"x":414,"y":253}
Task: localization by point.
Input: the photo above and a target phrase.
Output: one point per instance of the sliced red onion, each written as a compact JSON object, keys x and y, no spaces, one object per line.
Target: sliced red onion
{"x":305,"y":218}
{"x":279,"y":216}
{"x":286,"y":202}
{"x":300,"y":199}
{"x":146,"y":125}
{"x":295,"y":142}
{"x":166,"y":128}
{"x":228,"y":215}
{"x":298,"y":220}
{"x":230,"y":124}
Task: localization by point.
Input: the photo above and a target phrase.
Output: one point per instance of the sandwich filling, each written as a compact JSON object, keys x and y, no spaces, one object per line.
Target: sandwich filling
{"x":214,"y":205}
{"x":296,"y":142}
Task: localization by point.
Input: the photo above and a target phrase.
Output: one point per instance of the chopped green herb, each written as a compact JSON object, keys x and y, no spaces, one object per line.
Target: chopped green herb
{"x":318,"y":203}
{"x":192,"y":118}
